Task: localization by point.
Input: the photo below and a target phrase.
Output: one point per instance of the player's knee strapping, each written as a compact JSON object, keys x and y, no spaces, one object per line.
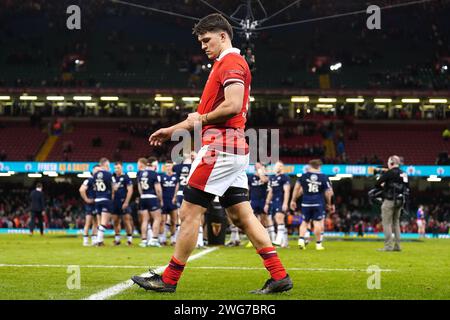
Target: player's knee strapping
{"x":233,"y":196}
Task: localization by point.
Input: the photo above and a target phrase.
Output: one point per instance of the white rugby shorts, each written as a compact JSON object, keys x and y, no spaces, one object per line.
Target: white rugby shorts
{"x":215,"y":171}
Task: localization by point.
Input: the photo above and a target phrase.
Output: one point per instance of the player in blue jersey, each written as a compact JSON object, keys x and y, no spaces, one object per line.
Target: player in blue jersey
{"x":153,"y":164}
{"x":182,"y":170}
{"x":421,"y":222}
{"x":122,"y":207}
{"x":169,"y":182}
{"x":150,"y":192}
{"x":87,"y":193}
{"x":277,"y":202}
{"x":104,"y":184}
{"x":257,"y":183}
{"x":316,"y":189}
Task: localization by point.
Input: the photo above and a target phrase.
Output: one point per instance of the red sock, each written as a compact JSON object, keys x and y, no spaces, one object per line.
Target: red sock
{"x":173,"y":272}
{"x":272,"y":263}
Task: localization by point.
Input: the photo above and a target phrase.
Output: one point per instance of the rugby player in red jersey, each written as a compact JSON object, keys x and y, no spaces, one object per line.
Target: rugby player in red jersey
{"x":220,"y":166}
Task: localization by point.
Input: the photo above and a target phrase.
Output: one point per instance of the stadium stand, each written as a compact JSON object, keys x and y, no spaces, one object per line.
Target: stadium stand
{"x":418,"y":143}
{"x":27,"y":140}
{"x":137,"y":58}
{"x":85,"y":141}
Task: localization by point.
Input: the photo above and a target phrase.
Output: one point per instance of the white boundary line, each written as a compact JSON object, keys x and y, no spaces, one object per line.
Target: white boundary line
{"x":205,"y":267}
{"x":118,"y":288}
{"x":294,"y":269}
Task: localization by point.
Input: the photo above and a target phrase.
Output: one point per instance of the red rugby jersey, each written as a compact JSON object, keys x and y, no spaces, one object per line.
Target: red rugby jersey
{"x":229,"y":68}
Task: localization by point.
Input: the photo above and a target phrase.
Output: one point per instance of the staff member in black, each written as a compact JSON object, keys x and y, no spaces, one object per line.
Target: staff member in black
{"x":37,"y":208}
{"x":394,"y":183}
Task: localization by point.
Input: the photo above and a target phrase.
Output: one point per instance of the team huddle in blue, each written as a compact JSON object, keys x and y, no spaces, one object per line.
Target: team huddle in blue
{"x":312,"y":196}
{"x":107,"y":195}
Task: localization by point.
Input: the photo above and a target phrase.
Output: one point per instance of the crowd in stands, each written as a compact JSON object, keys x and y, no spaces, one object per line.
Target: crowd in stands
{"x":324,"y":137}
{"x":314,"y":135}
{"x":412,"y":28}
{"x":62,"y":209}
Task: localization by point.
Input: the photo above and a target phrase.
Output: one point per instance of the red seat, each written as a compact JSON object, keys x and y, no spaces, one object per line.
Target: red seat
{"x":19,"y":140}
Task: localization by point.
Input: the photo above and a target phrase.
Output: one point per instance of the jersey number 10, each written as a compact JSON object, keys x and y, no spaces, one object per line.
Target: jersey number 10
{"x":100,"y":186}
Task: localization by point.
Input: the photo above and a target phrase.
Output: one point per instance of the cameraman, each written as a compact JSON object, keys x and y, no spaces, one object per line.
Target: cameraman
{"x":394,"y":183}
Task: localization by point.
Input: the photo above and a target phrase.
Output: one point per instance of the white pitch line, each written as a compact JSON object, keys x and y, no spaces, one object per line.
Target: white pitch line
{"x":66,"y":265}
{"x":204,"y":267}
{"x":294,"y":269}
{"x":118,"y":288}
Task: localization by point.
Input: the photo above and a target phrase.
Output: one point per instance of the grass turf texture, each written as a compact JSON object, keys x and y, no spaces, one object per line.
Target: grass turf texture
{"x":421,"y":271}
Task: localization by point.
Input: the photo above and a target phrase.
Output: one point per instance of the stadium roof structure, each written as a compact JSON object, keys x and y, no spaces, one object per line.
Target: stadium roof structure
{"x":248,"y":25}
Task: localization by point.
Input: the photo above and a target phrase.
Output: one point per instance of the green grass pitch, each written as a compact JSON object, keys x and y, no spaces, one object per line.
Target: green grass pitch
{"x":36,"y":268}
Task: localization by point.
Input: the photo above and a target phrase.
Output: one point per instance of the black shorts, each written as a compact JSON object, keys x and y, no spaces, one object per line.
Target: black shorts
{"x":149,"y":204}
{"x":117,"y":209}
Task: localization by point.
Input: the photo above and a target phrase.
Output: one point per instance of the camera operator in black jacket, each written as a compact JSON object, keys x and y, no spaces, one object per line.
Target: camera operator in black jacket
{"x":394,"y":185}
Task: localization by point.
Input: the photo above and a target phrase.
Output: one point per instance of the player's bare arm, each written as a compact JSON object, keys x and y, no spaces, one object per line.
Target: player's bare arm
{"x":287,"y":193}
{"x":262,"y":176}
{"x":328,"y":196}
{"x":128,"y":198}
{"x":295,"y":195}
{"x":83,"y":194}
{"x":268,"y":199}
{"x":174,"y":199}
{"x":230,"y":107}
{"x":139,"y":188}
{"x":158,"y":190}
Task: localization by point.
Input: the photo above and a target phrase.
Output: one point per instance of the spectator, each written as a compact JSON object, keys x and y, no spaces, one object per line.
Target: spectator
{"x":97,"y":142}
{"x":443,"y":159}
{"x":68,"y":146}
{"x":3,"y":155}
{"x":57,"y":128}
{"x":446,"y":134}
{"x":340,"y":148}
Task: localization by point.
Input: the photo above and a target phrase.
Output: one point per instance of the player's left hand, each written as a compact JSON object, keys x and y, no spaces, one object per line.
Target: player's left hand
{"x":285,"y":208}
{"x":124,"y":206}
